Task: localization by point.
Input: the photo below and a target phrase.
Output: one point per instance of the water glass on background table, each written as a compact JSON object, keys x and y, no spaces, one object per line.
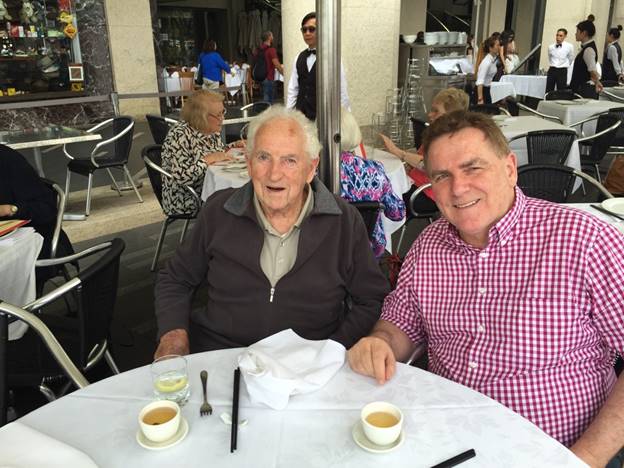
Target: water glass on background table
{"x":170,"y":379}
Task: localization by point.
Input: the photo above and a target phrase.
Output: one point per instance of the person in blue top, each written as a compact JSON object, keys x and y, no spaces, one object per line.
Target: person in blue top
{"x":211,"y":65}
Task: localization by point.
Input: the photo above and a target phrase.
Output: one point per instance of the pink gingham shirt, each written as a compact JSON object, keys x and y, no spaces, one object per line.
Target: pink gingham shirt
{"x":534,"y":320}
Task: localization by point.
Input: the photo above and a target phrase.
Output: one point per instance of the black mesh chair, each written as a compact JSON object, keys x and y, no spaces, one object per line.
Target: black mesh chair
{"x":547,"y":146}
{"x":561,"y":94}
{"x":555,"y":183}
{"x":414,"y":213}
{"x":83,"y":331}
{"x":233,"y":131}
{"x":370,"y":212}
{"x":595,"y":147}
{"x":418,"y":126}
{"x":489,"y":109}
{"x":112,"y":151}
{"x":153,"y":163}
{"x":159,"y":126}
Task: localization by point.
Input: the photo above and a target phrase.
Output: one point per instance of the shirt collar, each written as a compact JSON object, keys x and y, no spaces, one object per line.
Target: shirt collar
{"x":501,"y":232}
{"x":587,"y":42}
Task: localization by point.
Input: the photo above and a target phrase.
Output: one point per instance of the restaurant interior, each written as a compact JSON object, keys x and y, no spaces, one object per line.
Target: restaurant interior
{"x":89,"y":90}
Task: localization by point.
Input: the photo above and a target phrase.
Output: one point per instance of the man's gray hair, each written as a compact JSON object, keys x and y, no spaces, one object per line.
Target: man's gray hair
{"x":279,"y":112}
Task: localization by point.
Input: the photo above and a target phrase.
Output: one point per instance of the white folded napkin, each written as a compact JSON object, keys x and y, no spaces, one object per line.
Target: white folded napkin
{"x":285,"y":364}
{"x":18,"y":440}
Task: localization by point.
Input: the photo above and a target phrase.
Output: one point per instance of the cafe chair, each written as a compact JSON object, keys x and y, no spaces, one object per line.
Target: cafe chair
{"x":561,"y":94}
{"x":257,"y":107}
{"x":112,"y":151}
{"x":152,"y":158}
{"x":537,"y":113}
{"x":547,"y":146}
{"x":50,"y":342}
{"x":370,"y":212}
{"x":611,"y":97}
{"x":556,"y":183}
{"x":419,"y":127}
{"x":413,"y":213}
{"x":595,"y":147}
{"x":489,"y":109}
{"x":418,"y":357}
{"x":159,"y":127}
{"x":83,"y":329}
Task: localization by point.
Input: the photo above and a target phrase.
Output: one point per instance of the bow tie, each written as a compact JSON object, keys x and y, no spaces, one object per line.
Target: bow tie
{"x":310,"y":52}
{"x":557,"y":45}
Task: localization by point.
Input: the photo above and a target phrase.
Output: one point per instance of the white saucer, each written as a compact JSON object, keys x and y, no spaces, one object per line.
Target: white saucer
{"x":615,"y":205}
{"x":360,"y":438}
{"x":176,"y":439}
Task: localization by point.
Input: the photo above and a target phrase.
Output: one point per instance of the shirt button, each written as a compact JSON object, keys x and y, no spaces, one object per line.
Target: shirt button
{"x":484,"y":255}
{"x":482,"y":290}
{"x":472,"y":365}
{"x":481,"y":329}
{"x":282,"y":244}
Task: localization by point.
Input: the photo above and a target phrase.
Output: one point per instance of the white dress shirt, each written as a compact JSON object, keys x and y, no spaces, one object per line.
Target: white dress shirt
{"x":561,"y":57}
{"x":487,"y":70}
{"x":293,"y":84}
{"x":613,"y":56}
{"x":589,"y":56}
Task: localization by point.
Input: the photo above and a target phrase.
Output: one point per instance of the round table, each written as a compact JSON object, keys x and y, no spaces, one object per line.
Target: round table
{"x":442,"y":419}
{"x":574,"y":111}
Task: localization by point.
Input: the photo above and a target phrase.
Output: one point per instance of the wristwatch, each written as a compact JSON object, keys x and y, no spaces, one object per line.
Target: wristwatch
{"x":13,"y":210}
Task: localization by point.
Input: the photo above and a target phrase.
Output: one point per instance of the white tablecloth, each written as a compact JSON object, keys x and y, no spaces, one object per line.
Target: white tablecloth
{"x":527,"y":85}
{"x":217,"y":178}
{"x":571,"y":112}
{"x":513,"y":126}
{"x":619,"y":224}
{"x":18,"y":253}
{"x":617,"y":90}
{"x":442,"y":419}
{"x":500,"y":90}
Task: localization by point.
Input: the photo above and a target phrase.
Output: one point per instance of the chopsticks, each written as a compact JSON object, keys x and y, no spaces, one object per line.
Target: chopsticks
{"x":235,"y":410}
{"x":456,"y":460}
{"x":605,"y":211}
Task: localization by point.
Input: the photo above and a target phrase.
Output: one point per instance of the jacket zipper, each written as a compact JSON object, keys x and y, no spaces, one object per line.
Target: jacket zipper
{"x":271,"y":294}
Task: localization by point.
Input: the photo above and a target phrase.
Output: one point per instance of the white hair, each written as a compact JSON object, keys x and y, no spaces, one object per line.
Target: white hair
{"x":350,"y":134}
{"x":279,"y":112}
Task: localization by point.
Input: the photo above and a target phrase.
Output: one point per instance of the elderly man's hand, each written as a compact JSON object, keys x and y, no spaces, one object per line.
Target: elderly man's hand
{"x":173,"y":342}
{"x":372,"y":356}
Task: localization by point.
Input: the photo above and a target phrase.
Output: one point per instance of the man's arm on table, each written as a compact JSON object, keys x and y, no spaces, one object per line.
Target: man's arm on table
{"x":376,"y":355}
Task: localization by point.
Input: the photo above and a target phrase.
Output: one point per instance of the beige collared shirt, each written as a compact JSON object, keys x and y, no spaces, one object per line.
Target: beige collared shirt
{"x":279,"y":251}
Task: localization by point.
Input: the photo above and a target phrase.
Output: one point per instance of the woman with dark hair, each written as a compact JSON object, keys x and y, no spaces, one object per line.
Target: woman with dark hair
{"x":487,"y":70}
{"x":612,"y":58}
{"x":211,"y":64}
{"x":585,"y":80}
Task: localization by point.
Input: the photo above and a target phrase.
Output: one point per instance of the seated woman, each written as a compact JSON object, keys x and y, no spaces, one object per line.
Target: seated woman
{"x":191,"y":146}
{"x":447,"y":100}
{"x":366,"y":180}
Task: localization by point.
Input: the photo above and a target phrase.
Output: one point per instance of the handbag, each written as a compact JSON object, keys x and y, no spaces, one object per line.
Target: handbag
{"x":199,"y":79}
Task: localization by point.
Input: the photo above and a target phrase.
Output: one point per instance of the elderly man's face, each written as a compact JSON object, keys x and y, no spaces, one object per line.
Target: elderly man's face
{"x":280,"y":168}
{"x":473,"y":187}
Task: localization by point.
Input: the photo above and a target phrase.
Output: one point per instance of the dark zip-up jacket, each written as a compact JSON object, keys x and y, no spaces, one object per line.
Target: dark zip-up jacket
{"x":334,"y":290}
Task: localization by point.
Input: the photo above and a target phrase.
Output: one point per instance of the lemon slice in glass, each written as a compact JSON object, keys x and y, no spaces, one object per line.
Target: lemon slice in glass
{"x":169,"y":385}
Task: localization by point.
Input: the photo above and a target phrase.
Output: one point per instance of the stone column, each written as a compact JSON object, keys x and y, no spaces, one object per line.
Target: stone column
{"x":370,"y":48}
{"x":132,"y":54}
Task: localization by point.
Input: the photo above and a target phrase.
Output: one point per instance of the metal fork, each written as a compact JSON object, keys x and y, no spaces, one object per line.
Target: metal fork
{"x":205,"y":408}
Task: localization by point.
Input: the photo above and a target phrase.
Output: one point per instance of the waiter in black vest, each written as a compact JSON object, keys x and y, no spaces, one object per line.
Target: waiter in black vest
{"x":302,"y":84}
{"x":612,"y":58}
{"x":585,"y":80}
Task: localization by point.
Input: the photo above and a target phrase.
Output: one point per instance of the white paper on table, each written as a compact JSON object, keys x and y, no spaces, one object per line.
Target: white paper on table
{"x":285,"y":364}
{"x":23,"y":446}
{"x":233,"y":81}
{"x":278,"y":76}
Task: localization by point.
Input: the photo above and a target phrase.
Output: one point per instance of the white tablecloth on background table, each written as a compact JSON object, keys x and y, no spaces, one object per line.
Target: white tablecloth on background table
{"x":18,"y":253}
{"x":514,"y":126}
{"x":527,"y":85}
{"x":571,"y":112}
{"x":217,"y":178}
{"x":500,"y":90}
{"x":619,"y":224}
{"x":617,"y":90}
{"x":442,"y":419}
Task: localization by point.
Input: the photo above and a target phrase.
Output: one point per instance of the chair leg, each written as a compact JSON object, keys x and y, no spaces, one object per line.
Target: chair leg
{"x":398,"y":247}
{"x":597,"y":168}
{"x":161,"y":238}
{"x":184,"y":228}
{"x":110,"y":174}
{"x":89,"y":184}
{"x":132,"y":183}
{"x":45,"y":390}
{"x":111,"y":362}
{"x":67,"y":178}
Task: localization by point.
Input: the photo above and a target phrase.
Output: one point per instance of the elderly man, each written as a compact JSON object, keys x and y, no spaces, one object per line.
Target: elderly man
{"x":518,"y":298}
{"x":280,"y":252}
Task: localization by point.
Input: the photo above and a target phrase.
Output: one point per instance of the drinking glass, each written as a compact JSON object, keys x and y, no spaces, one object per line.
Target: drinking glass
{"x":170,"y":379}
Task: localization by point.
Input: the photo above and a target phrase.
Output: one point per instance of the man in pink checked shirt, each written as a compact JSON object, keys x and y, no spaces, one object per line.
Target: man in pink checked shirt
{"x":518,"y":298}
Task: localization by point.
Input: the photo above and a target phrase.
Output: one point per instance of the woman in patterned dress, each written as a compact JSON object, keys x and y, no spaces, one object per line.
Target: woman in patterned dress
{"x":191,"y":146}
{"x":366,"y":180}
